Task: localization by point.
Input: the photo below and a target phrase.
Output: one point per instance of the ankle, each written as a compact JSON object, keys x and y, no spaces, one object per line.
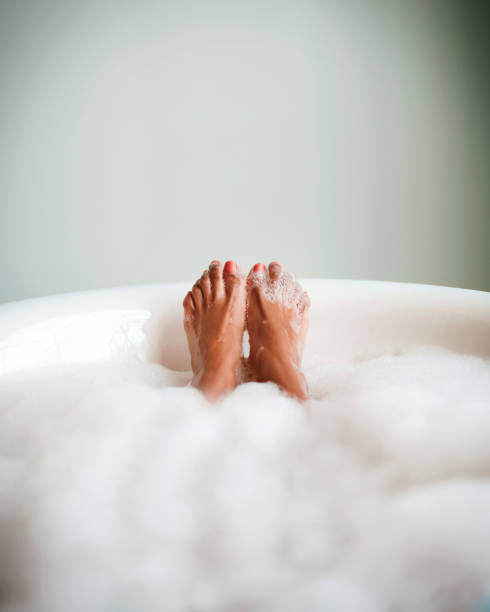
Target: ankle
{"x":286,"y":373}
{"x":214,"y":381}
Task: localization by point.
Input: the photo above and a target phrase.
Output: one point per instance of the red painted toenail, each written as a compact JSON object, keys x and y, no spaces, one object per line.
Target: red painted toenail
{"x":230,"y":267}
{"x":259,"y":267}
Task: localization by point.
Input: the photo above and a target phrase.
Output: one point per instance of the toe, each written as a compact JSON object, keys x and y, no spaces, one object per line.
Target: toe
{"x":304,"y":303}
{"x":256,"y":276}
{"x":198,"y":296}
{"x":298,"y":293}
{"x":216,"y":276}
{"x":230,"y":268}
{"x":189,"y":308}
{"x":205,"y":284}
{"x":274,"y":270}
{"x":188,"y":303}
{"x":232,"y":276}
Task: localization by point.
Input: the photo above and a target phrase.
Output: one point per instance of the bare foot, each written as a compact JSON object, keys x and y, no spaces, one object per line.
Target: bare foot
{"x":214,"y":321}
{"x":277,"y":322}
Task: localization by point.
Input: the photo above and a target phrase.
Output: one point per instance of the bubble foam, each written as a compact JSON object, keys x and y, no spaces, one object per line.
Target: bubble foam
{"x":123,"y":489}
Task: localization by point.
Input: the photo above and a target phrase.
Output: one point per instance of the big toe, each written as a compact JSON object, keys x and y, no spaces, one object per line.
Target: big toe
{"x":256,"y":276}
{"x":232,"y":277}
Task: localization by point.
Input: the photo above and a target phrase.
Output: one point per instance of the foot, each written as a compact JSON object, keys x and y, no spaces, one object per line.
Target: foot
{"x":277,"y":322}
{"x":214,"y":321}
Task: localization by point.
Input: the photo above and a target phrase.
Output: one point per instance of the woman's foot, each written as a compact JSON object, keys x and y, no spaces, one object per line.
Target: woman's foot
{"x":277,"y":322}
{"x":214,"y":320}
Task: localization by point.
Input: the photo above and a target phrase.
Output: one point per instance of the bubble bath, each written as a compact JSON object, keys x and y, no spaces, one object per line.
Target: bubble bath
{"x":122,"y":489}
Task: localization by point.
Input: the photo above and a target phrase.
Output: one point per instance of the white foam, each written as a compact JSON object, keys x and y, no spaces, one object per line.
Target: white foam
{"x":285,"y":290}
{"x":123,"y":490}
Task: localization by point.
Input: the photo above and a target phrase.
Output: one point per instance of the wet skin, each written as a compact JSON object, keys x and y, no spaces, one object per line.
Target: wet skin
{"x":274,"y":309}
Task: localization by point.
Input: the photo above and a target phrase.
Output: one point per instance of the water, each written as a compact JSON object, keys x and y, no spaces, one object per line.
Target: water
{"x":122,"y":489}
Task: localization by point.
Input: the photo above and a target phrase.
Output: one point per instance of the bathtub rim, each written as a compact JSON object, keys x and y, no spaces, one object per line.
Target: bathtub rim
{"x":352,"y":316}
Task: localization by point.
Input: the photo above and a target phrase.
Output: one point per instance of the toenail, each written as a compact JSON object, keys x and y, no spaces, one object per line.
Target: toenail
{"x":215,"y":262}
{"x":275,"y":263}
{"x":259,"y":267}
{"x":230,"y":267}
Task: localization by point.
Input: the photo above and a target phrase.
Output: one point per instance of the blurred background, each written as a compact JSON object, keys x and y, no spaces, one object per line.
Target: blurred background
{"x":142,"y":139}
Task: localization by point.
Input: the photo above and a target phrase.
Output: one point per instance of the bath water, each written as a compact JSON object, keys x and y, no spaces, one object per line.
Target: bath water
{"x":122,"y":489}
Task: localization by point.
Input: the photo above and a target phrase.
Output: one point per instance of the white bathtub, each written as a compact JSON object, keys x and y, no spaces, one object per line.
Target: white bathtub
{"x":121,"y":488}
{"x":349,"y":320}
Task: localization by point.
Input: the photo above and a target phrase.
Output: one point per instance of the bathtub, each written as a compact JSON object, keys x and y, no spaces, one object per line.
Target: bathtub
{"x":349,"y":320}
{"x":121,"y":488}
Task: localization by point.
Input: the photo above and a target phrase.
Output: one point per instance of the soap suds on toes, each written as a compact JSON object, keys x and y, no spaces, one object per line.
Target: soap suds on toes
{"x":277,"y":323}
